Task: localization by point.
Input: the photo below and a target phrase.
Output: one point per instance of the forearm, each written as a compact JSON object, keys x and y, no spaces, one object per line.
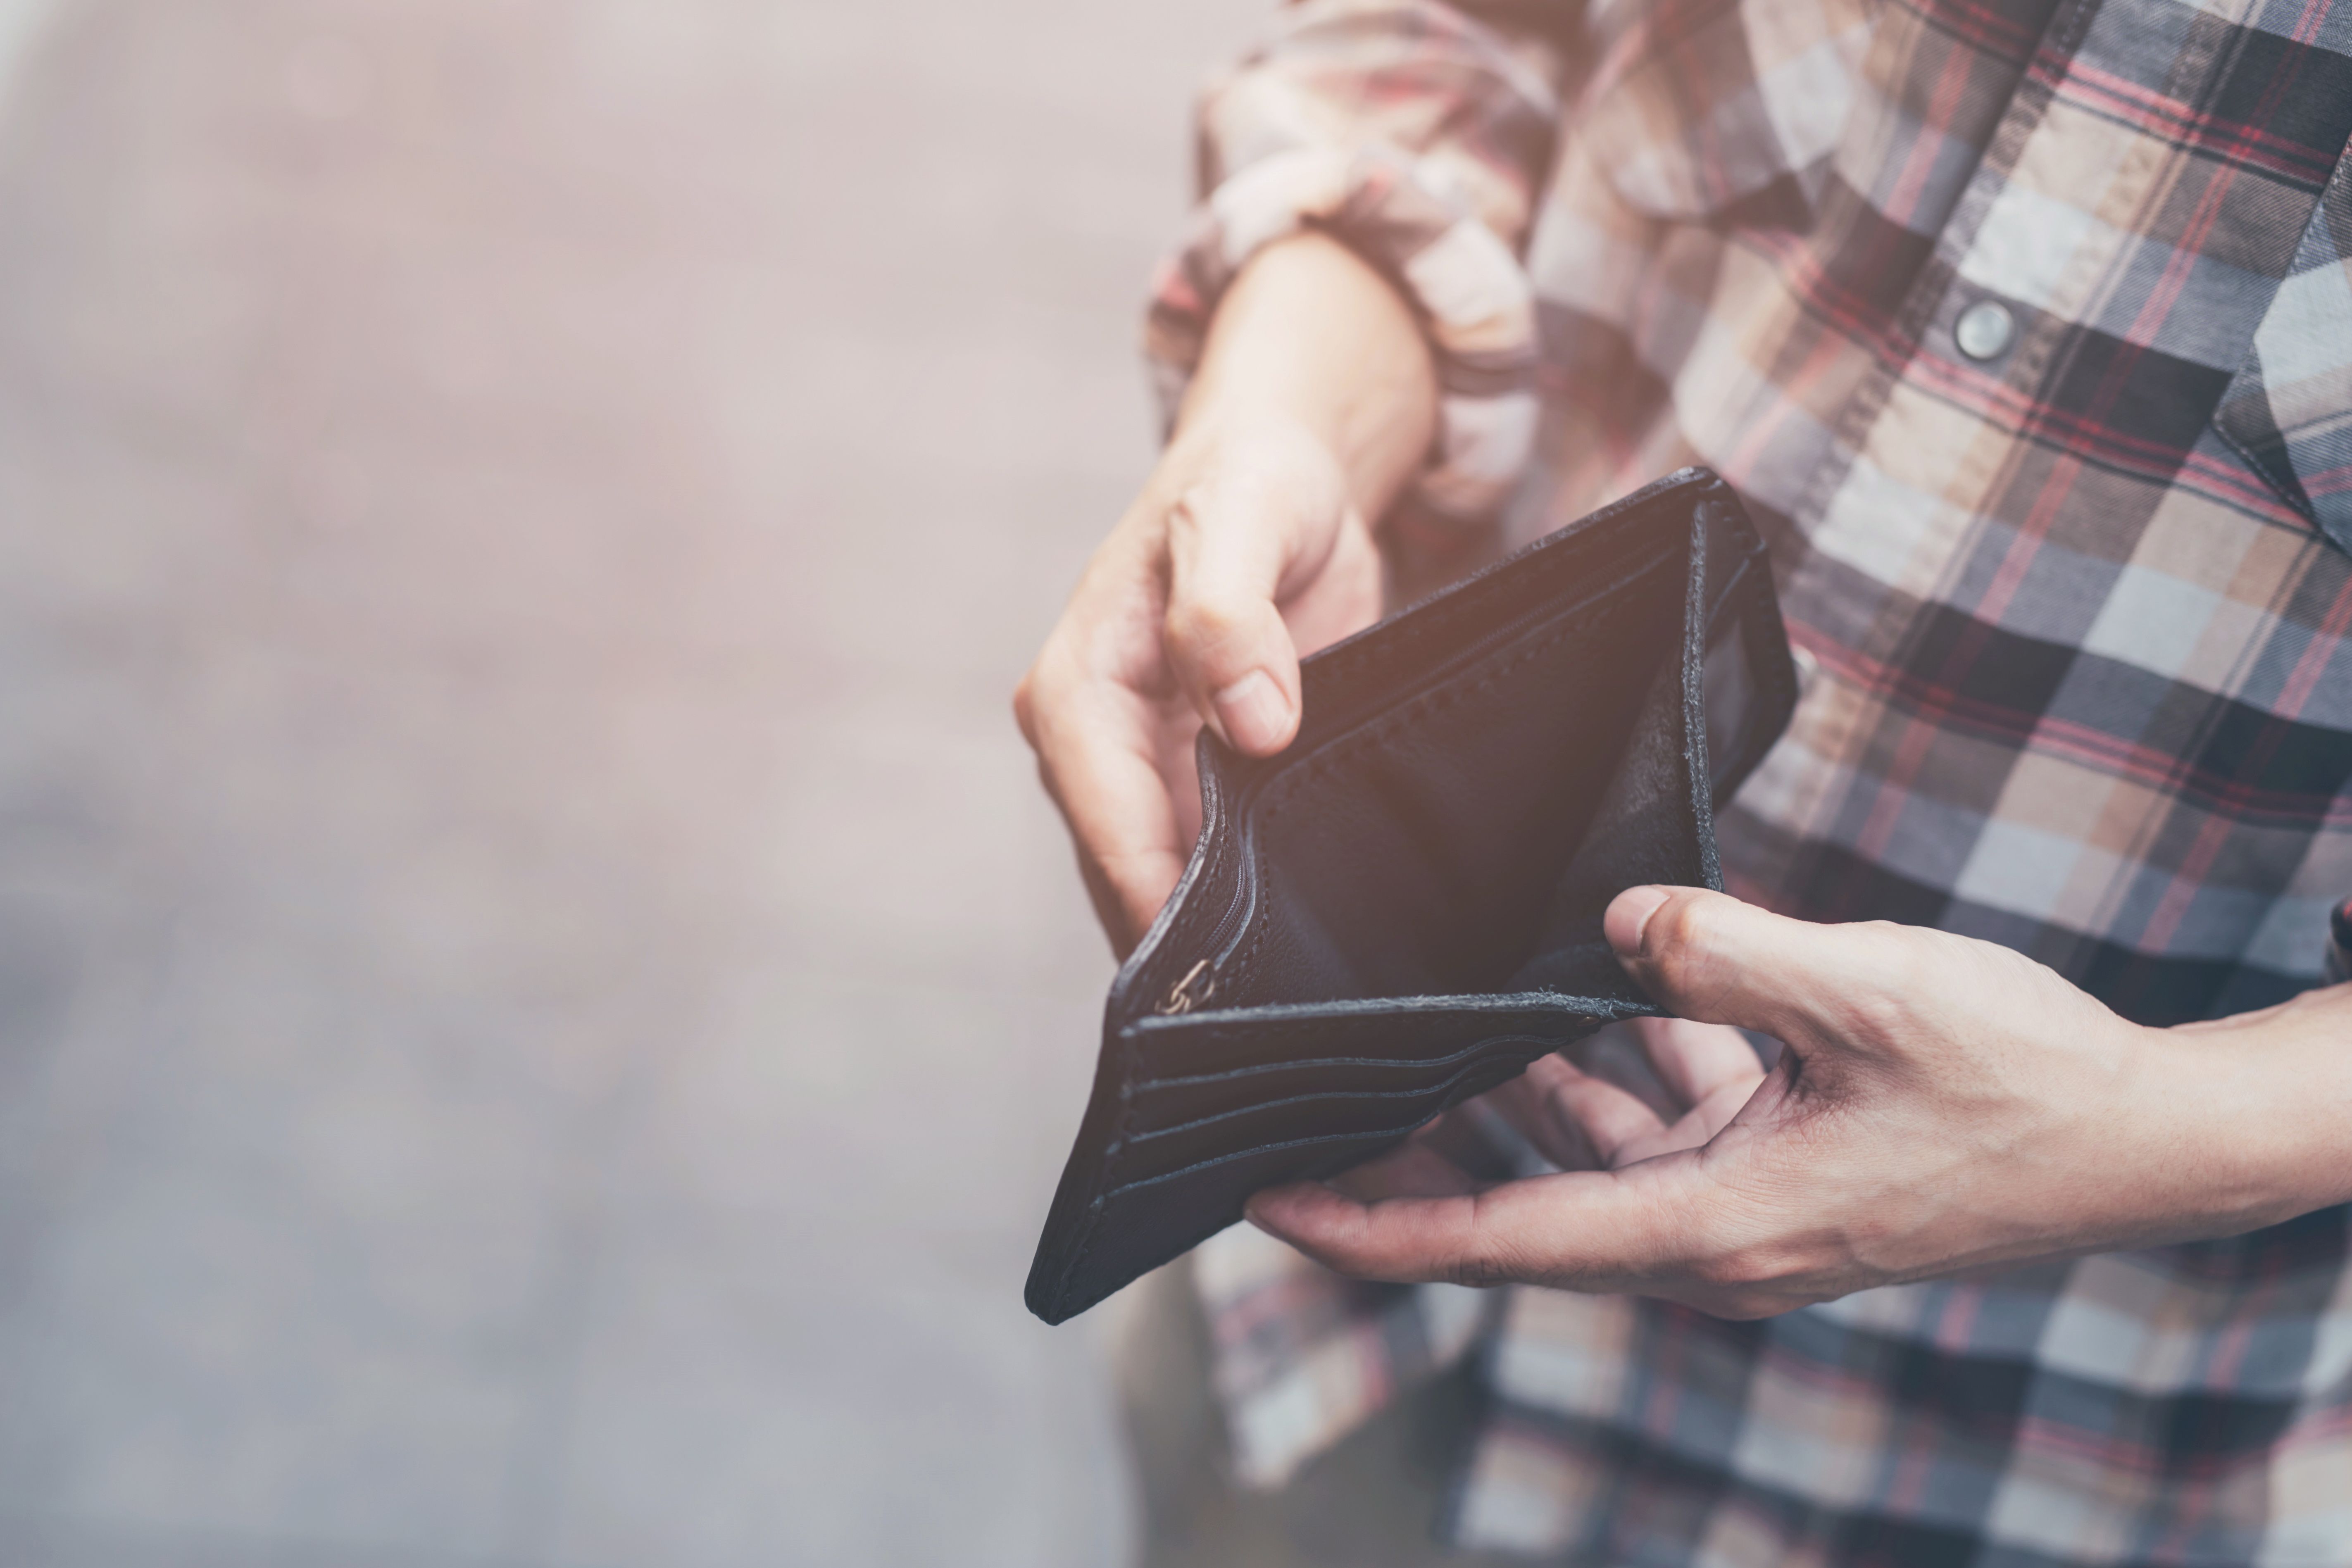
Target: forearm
{"x":1309,"y":334}
{"x":2274,"y":1092}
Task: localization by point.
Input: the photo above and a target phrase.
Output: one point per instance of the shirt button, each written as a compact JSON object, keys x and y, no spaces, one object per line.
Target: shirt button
{"x":1984,"y":329}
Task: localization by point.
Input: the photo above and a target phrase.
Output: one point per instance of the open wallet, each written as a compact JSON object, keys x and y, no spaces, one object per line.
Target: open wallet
{"x":1402,"y":909}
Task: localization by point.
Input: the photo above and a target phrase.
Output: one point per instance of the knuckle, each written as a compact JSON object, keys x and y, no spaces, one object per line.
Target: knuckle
{"x":1900,"y":952}
{"x":1693,"y":924}
{"x":1903,"y":968}
{"x":1024,"y":708}
{"x":1487,"y":1256}
{"x":1733,"y":1257}
{"x":1194,"y":504}
{"x":1745,"y":1268}
{"x":1730,"y":1269}
{"x":1479,"y":1273}
{"x":1681,"y":938}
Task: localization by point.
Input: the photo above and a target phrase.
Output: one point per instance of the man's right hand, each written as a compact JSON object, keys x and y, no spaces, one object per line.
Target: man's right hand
{"x":1250,"y":546}
{"x":1242,"y":550}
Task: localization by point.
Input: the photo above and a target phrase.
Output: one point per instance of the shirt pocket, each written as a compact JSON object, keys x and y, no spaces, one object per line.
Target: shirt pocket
{"x":2288,"y":410}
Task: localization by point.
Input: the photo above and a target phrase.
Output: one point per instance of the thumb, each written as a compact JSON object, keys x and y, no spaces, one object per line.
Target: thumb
{"x":1708,"y":957}
{"x":1228,"y":550}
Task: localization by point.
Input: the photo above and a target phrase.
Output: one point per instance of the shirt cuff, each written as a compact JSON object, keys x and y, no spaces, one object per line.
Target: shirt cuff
{"x":1400,"y":215}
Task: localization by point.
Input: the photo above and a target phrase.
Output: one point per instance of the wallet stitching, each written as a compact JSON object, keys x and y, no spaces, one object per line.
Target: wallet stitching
{"x":1380,"y":728}
{"x":1538,"y":1014}
{"x":1444,"y":619}
{"x":1605,"y":530}
{"x":1763,"y":611}
{"x":1427,"y":1064}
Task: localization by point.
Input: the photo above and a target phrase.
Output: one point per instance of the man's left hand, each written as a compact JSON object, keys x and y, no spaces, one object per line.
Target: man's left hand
{"x":1943,"y":1105}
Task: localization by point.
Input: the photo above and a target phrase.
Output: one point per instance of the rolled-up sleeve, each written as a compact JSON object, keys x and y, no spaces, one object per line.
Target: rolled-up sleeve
{"x":1418,"y":133}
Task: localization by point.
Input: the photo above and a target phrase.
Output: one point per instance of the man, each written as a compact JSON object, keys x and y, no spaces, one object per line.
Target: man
{"x":2025,"y":329}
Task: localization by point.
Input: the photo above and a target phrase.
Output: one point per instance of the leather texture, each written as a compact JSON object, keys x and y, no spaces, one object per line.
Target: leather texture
{"x":1402,"y":909}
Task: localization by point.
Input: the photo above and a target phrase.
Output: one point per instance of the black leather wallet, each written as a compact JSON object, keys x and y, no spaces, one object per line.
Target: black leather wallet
{"x":1402,"y":909}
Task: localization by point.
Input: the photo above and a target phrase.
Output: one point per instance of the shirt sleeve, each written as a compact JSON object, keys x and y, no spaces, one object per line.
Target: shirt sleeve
{"x":1418,"y":133}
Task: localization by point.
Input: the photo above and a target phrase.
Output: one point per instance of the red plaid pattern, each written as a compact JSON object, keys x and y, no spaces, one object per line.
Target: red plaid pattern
{"x":2077,"y":609}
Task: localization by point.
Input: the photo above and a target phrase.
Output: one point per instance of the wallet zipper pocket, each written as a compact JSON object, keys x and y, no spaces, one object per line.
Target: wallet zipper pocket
{"x":1181,"y":997}
{"x":1199,"y":981}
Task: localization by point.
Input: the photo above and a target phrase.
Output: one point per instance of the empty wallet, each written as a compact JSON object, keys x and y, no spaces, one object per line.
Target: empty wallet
{"x":1402,"y":909}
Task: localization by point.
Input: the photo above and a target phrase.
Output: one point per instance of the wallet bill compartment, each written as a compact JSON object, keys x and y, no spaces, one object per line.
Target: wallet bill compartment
{"x":1385,"y":888}
{"x":1615,"y":572}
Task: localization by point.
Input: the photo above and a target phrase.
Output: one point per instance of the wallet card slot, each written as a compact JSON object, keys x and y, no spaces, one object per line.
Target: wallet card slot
{"x":1559,"y":571}
{"x":1322,"y":1065}
{"x":1128,"y":1230}
{"x":1162,"y":1104}
{"x":1410,"y":1031}
{"x":1280,"y":1123}
{"x":1325,"y":1141}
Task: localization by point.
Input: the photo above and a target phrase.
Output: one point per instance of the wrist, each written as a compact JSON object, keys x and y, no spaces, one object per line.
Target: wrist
{"x":2265,"y":1099}
{"x":1311,"y":336}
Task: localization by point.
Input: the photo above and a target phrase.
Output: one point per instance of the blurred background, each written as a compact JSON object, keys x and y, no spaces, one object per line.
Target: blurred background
{"x":539,"y":1003}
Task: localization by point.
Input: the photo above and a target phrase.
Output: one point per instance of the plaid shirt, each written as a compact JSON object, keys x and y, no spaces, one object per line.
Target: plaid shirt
{"x":2025,"y":329}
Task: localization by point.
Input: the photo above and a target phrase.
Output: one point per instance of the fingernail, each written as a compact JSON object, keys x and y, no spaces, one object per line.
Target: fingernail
{"x":1254,"y":712}
{"x":1629,"y":916}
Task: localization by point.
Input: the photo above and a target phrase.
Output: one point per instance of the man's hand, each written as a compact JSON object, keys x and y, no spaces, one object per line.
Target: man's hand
{"x":1942,"y":1105}
{"x":1243,"y":552}
{"x":1250,"y":546}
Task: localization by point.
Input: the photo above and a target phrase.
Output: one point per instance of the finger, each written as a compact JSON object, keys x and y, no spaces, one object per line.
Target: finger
{"x":1696,"y":1059}
{"x":1228,"y":547}
{"x":1605,"y":1115}
{"x":1707,"y":957}
{"x":1696,"y":1127}
{"x":1714,"y":1112}
{"x":1525,"y":1102}
{"x":1098,"y":755}
{"x":1417,"y":1168}
{"x":1616,"y":1055}
{"x":1635,"y":1230}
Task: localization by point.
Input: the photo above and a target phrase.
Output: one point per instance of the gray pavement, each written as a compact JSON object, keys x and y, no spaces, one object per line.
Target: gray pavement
{"x":540,"y":1006}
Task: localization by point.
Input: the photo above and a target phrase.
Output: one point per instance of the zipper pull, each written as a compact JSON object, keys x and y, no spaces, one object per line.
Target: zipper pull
{"x":1182,"y":999}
